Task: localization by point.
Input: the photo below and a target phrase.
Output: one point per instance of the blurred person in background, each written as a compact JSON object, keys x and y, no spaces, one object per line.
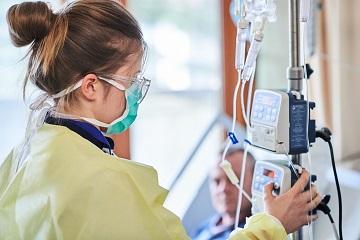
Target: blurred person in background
{"x":224,"y":197}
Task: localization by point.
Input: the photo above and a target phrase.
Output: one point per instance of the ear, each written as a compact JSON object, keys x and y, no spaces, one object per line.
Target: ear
{"x":90,"y":87}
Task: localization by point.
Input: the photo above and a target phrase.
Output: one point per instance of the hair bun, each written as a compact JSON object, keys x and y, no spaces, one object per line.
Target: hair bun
{"x":29,"y":22}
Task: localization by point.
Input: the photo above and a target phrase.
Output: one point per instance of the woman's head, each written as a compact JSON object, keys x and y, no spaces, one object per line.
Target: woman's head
{"x":84,"y":39}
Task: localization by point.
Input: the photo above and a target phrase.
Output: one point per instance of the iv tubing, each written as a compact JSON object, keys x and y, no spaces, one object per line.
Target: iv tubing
{"x":237,"y":218}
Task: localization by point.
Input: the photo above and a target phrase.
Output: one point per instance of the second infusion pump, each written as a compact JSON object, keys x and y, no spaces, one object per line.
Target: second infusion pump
{"x":279,"y":122}
{"x":264,"y":173}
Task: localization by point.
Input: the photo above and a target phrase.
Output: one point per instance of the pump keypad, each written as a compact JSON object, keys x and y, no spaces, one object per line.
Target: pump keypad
{"x":266,"y":108}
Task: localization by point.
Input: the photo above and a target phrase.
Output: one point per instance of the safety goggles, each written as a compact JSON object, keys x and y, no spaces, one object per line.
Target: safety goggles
{"x":137,"y":85}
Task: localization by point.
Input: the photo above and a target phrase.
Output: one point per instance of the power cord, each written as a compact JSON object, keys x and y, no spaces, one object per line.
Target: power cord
{"x":323,"y":206}
{"x":325,"y":134}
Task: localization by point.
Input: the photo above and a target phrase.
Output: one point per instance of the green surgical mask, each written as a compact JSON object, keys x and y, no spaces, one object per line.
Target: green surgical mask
{"x":123,"y":123}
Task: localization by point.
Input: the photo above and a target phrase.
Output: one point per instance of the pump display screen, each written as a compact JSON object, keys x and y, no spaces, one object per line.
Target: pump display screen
{"x":267,"y":100}
{"x":269,"y":173}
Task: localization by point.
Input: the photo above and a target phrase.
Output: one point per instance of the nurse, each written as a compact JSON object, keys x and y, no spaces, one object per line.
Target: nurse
{"x":64,"y":182}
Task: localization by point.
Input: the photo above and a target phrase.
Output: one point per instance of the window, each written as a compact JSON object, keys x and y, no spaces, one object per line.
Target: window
{"x":184,"y":63}
{"x":274,"y":55}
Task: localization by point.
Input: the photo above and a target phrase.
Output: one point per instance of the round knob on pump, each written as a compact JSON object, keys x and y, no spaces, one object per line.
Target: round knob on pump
{"x":276,"y":190}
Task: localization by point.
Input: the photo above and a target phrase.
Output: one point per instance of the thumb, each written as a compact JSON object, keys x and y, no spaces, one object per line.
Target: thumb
{"x":268,"y":188}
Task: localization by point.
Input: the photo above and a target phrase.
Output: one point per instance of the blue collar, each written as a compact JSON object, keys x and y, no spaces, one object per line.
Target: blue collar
{"x":216,"y":218}
{"x":207,"y":230}
{"x":86,"y":130}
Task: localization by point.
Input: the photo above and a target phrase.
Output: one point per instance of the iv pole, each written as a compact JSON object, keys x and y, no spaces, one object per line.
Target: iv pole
{"x":295,"y":72}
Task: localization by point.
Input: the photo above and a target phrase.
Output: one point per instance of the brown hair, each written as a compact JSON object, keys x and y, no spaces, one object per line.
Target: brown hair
{"x":86,"y":36}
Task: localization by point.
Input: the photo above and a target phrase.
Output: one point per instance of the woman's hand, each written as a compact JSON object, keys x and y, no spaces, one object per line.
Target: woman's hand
{"x":292,"y":208}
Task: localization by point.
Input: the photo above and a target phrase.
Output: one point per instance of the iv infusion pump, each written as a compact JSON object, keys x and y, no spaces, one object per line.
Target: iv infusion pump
{"x":279,"y":122}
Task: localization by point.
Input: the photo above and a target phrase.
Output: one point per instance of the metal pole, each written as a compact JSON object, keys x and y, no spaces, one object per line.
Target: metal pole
{"x":295,"y":71}
{"x":297,"y":235}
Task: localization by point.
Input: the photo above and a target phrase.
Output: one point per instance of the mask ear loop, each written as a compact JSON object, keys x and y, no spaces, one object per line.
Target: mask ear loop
{"x":67,"y":90}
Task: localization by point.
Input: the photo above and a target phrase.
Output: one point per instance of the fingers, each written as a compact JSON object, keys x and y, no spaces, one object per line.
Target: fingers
{"x":311,"y":218}
{"x":313,"y":204}
{"x":301,"y":182}
{"x":268,"y":191}
{"x":308,"y":195}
